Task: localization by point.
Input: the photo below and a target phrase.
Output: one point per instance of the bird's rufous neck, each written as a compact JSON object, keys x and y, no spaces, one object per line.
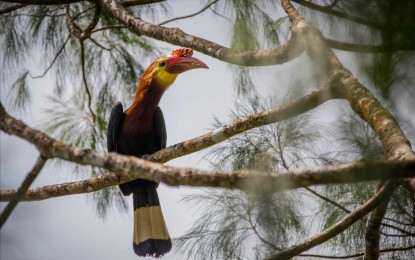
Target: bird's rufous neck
{"x":146,"y":100}
{"x":139,"y":116}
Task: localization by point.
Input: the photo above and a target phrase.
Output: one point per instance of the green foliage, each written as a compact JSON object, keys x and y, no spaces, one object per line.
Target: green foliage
{"x":236,"y":225}
{"x":19,"y":93}
{"x":114,"y":60}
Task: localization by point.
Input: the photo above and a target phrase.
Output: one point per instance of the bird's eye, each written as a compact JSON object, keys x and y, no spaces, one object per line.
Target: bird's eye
{"x":162,"y":63}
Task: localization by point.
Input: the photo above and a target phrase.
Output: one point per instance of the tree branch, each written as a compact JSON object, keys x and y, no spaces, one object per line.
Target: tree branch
{"x":127,"y":168}
{"x":11,"y":8}
{"x":394,"y":142}
{"x":386,"y":250}
{"x":295,"y":108}
{"x":21,"y":192}
{"x":372,"y":231}
{"x":292,"y":49}
{"x":353,"y":47}
{"x":128,"y":3}
{"x":339,"y":226}
{"x":85,"y":81}
{"x":329,"y":10}
{"x":54,"y":59}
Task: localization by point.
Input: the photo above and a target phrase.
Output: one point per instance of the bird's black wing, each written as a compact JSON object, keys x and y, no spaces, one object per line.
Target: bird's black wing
{"x":116,"y":118}
{"x":160,"y":126}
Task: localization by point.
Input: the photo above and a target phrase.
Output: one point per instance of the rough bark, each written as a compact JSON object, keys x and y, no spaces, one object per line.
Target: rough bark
{"x":127,"y":168}
{"x":396,"y":146}
{"x":290,"y":110}
{"x":339,"y":226}
{"x":20,"y":193}
{"x":290,"y":50}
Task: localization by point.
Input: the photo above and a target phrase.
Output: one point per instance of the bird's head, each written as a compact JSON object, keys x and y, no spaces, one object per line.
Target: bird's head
{"x":166,"y":68}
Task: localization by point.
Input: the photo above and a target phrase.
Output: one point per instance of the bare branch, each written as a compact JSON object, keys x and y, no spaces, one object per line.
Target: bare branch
{"x":353,"y":47}
{"x":295,"y":108}
{"x":109,"y":28}
{"x":11,"y":8}
{"x":291,"y":12}
{"x":54,"y":59}
{"x":372,"y":231}
{"x":21,"y":192}
{"x":329,"y":10}
{"x":43,"y":2}
{"x":86,"y":33}
{"x":292,"y":49}
{"x":190,"y":15}
{"x":88,"y":92}
{"x":386,"y":250}
{"x":399,"y":229}
{"x":128,"y":3}
{"x":395,"y":144}
{"x":128,"y":168}
{"x":339,"y":226}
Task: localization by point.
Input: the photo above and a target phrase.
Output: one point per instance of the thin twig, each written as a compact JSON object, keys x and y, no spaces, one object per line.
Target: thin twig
{"x":280,"y":151}
{"x":54,"y":59}
{"x":88,"y":93}
{"x":408,"y":233}
{"x":21,"y":192}
{"x":339,"y":226}
{"x":109,"y":28}
{"x":190,"y":15}
{"x":98,"y":44}
{"x":86,"y":33}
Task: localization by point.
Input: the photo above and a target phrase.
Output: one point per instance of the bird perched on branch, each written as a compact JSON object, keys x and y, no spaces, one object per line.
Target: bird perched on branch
{"x":141,"y":130}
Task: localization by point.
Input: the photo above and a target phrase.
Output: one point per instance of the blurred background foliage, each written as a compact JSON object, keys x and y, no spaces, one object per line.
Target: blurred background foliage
{"x":91,"y":74}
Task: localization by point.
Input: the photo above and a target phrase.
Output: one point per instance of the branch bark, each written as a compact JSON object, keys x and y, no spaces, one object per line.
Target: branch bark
{"x":292,"y":49}
{"x":128,"y":3}
{"x":386,"y":250}
{"x":354,"y":47}
{"x":394,"y":142}
{"x":21,"y":192}
{"x":11,"y":8}
{"x":340,"y":226}
{"x":292,"y":109}
{"x":329,"y":10}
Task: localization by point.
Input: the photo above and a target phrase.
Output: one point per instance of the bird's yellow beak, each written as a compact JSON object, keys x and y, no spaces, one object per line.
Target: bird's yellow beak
{"x":178,"y":64}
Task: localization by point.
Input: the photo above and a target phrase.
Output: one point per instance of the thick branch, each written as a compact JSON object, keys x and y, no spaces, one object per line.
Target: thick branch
{"x":128,"y":3}
{"x":132,"y":168}
{"x":11,"y":8}
{"x":292,"y":49}
{"x":339,"y":226}
{"x":372,"y":234}
{"x":21,"y":192}
{"x":291,"y":12}
{"x":396,"y":145}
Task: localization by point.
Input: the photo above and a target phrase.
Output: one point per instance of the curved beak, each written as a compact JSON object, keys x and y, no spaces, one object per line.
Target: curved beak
{"x":177,"y":64}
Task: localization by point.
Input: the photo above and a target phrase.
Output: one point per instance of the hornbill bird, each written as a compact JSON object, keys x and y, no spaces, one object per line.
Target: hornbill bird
{"x":141,"y":130}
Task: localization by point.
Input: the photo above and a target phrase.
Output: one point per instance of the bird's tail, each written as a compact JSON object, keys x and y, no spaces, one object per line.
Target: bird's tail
{"x":151,"y":237}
